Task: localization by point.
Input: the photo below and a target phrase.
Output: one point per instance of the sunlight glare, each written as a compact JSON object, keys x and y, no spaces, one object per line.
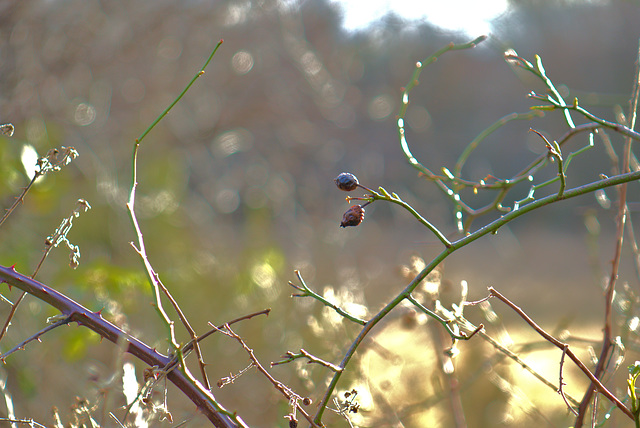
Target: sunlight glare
{"x":467,"y":16}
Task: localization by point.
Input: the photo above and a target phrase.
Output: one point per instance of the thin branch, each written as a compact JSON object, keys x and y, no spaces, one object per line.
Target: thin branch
{"x":565,"y":347}
{"x":308,"y":292}
{"x":445,"y":323}
{"x":53,"y":161}
{"x":554,"y":151}
{"x":607,"y":340}
{"x":561,"y":382}
{"x":285,"y":390}
{"x":627,"y":132}
{"x":158,"y":287}
{"x":291,"y":356}
{"x":21,"y":345}
{"x":383,"y":195}
{"x":463,"y":322}
{"x":29,"y":422}
{"x":189,"y":345}
{"x":59,"y":236}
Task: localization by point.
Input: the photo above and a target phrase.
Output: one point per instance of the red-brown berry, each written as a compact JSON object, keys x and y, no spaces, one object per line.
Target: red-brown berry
{"x":353,"y":216}
{"x":346,"y":181}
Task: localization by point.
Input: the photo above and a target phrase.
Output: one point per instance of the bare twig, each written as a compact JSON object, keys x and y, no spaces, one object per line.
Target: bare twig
{"x":290,"y":356}
{"x":158,"y":287}
{"x":159,"y":373}
{"x":29,"y":422}
{"x":284,"y":390}
{"x":56,"y":238}
{"x":565,"y":347}
{"x":607,"y":340}
{"x":561,"y":382}
{"x":308,"y":292}
{"x":53,"y":161}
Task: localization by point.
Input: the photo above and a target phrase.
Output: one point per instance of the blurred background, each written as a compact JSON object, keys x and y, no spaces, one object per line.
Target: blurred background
{"x":236,"y":192}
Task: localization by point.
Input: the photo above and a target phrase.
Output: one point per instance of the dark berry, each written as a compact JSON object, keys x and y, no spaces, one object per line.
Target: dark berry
{"x":346,"y":182}
{"x":353,"y":216}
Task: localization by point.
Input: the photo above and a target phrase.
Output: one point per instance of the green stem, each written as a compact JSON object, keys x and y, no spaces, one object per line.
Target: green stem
{"x":405,"y":104}
{"x":184,"y":91}
{"x":442,"y":321}
{"x":603,"y":123}
{"x":540,"y":72}
{"x":394,"y":198}
{"x":489,"y":228}
{"x":457,"y":170}
{"x":310,"y":293}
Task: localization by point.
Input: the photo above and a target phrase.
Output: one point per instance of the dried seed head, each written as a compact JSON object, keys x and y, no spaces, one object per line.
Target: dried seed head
{"x":353,"y":216}
{"x":346,"y":181}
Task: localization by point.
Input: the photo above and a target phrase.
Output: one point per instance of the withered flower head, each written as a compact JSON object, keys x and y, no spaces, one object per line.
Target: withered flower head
{"x":353,"y":216}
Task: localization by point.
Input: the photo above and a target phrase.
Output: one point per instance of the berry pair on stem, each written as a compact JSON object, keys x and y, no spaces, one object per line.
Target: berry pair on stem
{"x":355,"y":214}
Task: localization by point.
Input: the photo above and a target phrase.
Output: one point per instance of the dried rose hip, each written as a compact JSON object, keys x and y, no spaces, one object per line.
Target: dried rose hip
{"x":353,"y":216}
{"x":346,"y":182}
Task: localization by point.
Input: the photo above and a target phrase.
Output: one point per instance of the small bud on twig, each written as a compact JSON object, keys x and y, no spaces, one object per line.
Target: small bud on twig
{"x":346,"y":181}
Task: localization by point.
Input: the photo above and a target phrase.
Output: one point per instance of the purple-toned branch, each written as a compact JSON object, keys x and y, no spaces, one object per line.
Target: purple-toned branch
{"x":93,"y":320}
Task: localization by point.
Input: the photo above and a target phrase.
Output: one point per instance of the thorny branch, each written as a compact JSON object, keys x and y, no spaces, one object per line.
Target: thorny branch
{"x":94,"y":321}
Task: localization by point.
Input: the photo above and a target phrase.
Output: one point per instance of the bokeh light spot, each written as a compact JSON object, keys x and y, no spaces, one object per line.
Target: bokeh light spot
{"x":85,"y":114}
{"x":169,"y":49}
{"x":233,"y":141}
{"x":242,"y":62}
{"x":227,"y":201}
{"x":418,"y":118}
{"x":263,"y":275}
{"x":380,"y":107}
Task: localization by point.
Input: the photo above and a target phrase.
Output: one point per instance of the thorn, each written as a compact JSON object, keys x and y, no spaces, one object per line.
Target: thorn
{"x":13,"y":267}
